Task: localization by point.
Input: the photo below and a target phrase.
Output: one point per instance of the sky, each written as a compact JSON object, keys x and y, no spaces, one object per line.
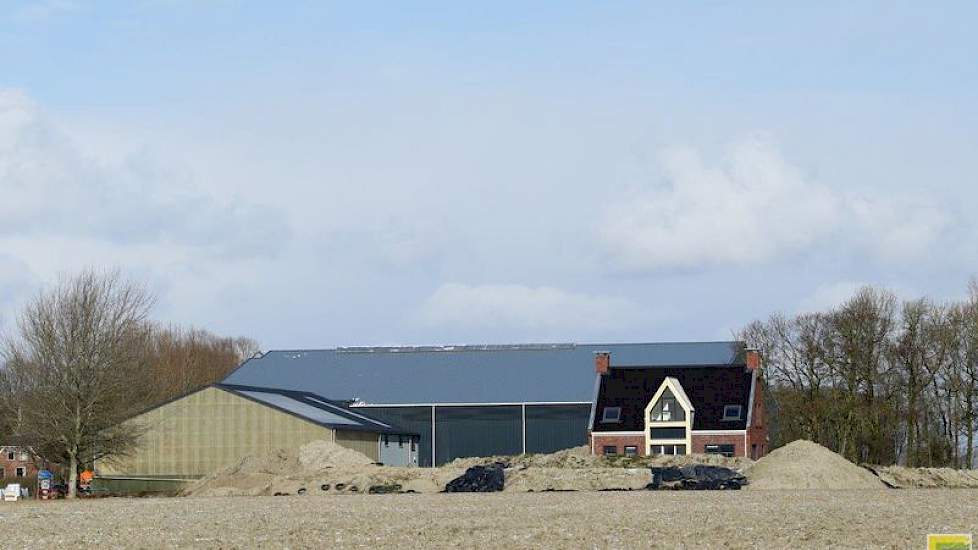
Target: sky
{"x":318,"y":174}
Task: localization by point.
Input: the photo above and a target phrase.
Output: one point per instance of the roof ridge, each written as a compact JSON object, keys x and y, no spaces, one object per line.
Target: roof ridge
{"x":495,"y":347}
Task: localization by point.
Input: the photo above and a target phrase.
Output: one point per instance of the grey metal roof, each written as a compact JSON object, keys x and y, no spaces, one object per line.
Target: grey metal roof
{"x":312,"y":407}
{"x":467,"y":374}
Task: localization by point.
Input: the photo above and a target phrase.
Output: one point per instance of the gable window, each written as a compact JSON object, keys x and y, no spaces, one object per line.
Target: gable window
{"x":731,"y":412}
{"x":610,"y":450}
{"x":611,"y":415}
{"x":667,"y":409}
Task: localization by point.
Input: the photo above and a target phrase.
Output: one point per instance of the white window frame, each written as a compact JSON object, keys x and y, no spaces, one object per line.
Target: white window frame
{"x":605,"y":417}
{"x":20,"y":471}
{"x":731,"y":418}
{"x":682,"y":400}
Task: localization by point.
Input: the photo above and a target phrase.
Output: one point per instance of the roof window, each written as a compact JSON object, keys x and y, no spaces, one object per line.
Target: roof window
{"x":611,"y":415}
{"x":731,"y":412}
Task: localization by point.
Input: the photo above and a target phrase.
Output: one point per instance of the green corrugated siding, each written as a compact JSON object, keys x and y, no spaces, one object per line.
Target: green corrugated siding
{"x":477,"y":431}
{"x":551,"y":428}
{"x":208,"y":430}
{"x":412,"y":419}
{"x":365,"y":442}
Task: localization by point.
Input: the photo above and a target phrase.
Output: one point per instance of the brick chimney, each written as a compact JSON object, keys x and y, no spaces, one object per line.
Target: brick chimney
{"x":602,"y":362}
{"x":753,"y":358}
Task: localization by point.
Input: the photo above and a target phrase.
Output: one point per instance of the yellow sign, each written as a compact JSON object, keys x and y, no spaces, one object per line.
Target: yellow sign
{"x":949,"y":542}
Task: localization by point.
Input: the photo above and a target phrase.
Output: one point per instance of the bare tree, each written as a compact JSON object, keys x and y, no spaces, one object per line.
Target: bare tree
{"x":77,"y":366}
{"x":184,"y":360}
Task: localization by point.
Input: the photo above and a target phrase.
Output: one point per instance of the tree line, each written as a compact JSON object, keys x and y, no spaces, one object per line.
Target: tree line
{"x":85,"y":355}
{"x":876,"y":379}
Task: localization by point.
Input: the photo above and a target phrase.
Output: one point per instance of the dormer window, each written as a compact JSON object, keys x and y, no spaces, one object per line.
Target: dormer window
{"x":611,"y":415}
{"x":731,"y":412}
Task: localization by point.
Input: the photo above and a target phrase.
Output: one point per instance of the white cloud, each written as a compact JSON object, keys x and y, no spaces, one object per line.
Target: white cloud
{"x":831,"y":295}
{"x":753,"y":208}
{"x":538,"y":310}
{"x":42,"y":10}
{"x":52,"y":187}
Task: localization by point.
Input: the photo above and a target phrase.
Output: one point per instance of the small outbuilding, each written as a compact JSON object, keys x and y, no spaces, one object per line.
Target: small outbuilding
{"x":214,"y":427}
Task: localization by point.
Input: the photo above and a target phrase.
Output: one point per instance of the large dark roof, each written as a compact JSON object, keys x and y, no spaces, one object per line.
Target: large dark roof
{"x":467,"y":374}
{"x":708,"y":388}
{"x":313,"y":408}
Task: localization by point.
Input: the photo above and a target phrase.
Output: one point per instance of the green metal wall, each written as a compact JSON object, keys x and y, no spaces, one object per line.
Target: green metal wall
{"x":412,"y":419}
{"x":477,"y":431}
{"x":489,"y":430}
{"x":551,"y":428}
{"x":208,"y":430}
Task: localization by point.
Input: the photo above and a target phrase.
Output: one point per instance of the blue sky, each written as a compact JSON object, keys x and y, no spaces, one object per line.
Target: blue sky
{"x":365,"y":173}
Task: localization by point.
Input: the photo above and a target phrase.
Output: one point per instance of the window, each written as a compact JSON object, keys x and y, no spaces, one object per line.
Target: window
{"x":668,"y":449}
{"x":731,"y":412}
{"x":667,"y":433}
{"x":20,"y":471}
{"x":10,"y":456}
{"x":414,"y":445}
{"x":721,"y":449}
{"x":611,"y":415}
{"x":631,"y":450}
{"x":400,"y":441}
{"x":610,"y":450}
{"x":387,"y":440}
{"x":667,"y":409}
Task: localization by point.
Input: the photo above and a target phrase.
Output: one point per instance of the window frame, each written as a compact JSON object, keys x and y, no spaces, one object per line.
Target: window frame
{"x":606,"y":420}
{"x":613,"y":448}
{"x":20,"y":471}
{"x":728,"y":418}
{"x":631,"y":450}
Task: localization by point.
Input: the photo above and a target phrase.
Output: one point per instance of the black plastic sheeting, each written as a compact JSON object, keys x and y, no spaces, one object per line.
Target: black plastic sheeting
{"x":479,"y":479}
{"x":696,"y":477}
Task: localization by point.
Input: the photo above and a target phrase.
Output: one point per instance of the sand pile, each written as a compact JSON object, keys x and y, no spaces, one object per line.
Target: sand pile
{"x":540,"y":479}
{"x":901,"y":477}
{"x":581,"y":457}
{"x":805,"y":465}
{"x":319,"y":455}
{"x":319,"y":467}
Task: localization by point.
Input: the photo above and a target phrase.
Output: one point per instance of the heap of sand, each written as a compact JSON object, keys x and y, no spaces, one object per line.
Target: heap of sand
{"x":581,"y":458}
{"x":806,"y":465}
{"x":901,"y":477}
{"x":323,"y":467}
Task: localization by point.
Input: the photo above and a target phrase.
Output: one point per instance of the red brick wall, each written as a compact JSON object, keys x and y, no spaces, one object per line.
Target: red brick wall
{"x":757,"y":444}
{"x":10,"y":466}
{"x":619,"y":441}
{"x":701,"y":441}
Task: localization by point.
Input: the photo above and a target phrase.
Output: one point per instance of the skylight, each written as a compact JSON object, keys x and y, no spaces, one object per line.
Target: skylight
{"x":611,"y":415}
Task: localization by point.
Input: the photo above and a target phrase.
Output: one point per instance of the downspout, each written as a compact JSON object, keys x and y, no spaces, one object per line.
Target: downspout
{"x":433,"y":436}
{"x":524,"y":427}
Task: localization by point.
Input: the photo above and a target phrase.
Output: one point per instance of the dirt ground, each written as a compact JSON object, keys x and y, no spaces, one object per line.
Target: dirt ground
{"x":709,"y":519}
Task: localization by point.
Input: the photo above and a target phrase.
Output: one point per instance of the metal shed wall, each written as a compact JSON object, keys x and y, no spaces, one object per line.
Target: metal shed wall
{"x":488,"y":430}
{"x":208,"y":430}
